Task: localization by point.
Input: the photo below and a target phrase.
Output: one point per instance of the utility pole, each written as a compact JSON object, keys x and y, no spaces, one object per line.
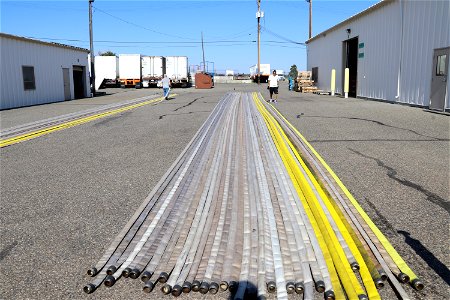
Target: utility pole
{"x":203,"y":50}
{"x":91,"y":40}
{"x":310,"y":17}
{"x":258,"y":16}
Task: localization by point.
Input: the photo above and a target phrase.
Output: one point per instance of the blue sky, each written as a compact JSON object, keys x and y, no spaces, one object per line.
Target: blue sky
{"x":169,"y":28}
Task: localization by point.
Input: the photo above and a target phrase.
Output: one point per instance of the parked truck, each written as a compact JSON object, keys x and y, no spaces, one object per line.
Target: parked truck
{"x":130,"y":70}
{"x":280,"y":74}
{"x":264,"y":72}
{"x":153,"y":69}
{"x":177,"y":70}
{"x":106,"y":71}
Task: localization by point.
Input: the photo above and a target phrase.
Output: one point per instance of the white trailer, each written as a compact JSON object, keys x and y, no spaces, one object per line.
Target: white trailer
{"x":177,"y":70}
{"x":106,"y":71}
{"x":264,"y":72}
{"x":280,"y":74}
{"x":130,"y":70}
{"x":153,"y":69}
{"x":229,"y":73}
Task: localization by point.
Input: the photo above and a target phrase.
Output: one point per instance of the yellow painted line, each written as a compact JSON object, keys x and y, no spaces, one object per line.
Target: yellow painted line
{"x":44,"y":131}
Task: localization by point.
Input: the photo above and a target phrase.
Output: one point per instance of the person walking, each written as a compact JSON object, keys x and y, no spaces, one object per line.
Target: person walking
{"x":273,"y":86}
{"x":166,"y":86}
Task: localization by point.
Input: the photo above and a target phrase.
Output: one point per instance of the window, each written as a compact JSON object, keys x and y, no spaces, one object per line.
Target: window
{"x":440,"y":65}
{"x":28,"y":78}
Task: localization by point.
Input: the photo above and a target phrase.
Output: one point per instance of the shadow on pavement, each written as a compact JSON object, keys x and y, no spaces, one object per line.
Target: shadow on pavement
{"x":427,"y":256}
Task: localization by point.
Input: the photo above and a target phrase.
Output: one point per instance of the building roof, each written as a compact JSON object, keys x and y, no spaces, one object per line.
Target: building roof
{"x":358,"y":15}
{"x":25,"y":39}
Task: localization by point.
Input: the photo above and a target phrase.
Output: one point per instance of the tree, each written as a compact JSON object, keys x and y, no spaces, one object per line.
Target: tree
{"x":293,"y":73}
{"x":107,"y":53}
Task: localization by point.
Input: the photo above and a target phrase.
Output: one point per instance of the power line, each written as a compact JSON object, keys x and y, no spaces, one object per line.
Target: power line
{"x":139,"y":26}
{"x":283,"y":46}
{"x":281,"y":37}
{"x":184,"y":6}
{"x":169,"y":44}
{"x":144,"y":42}
{"x":241,"y":33}
{"x":234,"y":35}
{"x":206,"y":42}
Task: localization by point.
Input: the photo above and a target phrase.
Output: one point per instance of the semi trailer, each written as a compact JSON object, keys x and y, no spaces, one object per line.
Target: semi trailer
{"x":130,"y":70}
{"x":153,"y":69}
{"x":264,"y":73}
{"x":106,"y":71}
{"x":177,"y":70}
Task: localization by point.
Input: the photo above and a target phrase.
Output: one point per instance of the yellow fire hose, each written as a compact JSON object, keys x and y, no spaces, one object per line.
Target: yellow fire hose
{"x":415,"y":281}
{"x":349,"y":280}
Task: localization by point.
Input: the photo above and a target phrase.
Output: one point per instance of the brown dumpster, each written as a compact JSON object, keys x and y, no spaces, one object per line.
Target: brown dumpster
{"x":203,"y":81}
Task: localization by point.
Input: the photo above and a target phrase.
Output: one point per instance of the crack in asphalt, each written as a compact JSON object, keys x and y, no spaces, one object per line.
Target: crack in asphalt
{"x":186,"y":113}
{"x":190,"y":103}
{"x":392,"y":173}
{"x":5,"y":252}
{"x":381,"y":217}
{"x":378,"y":123}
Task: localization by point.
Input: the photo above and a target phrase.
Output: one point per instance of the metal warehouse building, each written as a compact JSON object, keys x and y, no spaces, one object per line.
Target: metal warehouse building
{"x":36,"y":72}
{"x":396,"y":50}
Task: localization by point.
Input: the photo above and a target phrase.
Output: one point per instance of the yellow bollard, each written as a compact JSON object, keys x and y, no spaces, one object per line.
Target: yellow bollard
{"x":333,"y":81}
{"x":346,"y":82}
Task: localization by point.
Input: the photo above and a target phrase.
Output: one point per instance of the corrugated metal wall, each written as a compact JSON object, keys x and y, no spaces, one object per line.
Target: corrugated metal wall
{"x":375,"y":31}
{"x":48,"y":62}
{"x":425,"y":27}
{"x":378,"y":69}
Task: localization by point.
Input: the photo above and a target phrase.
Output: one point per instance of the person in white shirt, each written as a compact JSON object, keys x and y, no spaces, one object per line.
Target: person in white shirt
{"x":273,"y":86}
{"x":166,"y":86}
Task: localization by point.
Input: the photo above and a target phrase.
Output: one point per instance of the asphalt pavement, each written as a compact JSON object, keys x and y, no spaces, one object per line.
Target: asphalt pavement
{"x":66,"y":195}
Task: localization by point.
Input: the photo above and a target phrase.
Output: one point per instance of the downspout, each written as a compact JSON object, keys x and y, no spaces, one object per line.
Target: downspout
{"x":401,"y":54}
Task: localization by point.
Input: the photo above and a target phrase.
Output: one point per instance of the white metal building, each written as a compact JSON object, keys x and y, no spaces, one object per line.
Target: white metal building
{"x":396,"y":50}
{"x":36,"y":72}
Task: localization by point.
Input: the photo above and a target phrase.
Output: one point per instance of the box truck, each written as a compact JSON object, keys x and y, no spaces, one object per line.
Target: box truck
{"x":106,"y":71}
{"x":280,"y":74}
{"x":153,"y":68}
{"x":264,"y":72}
{"x":130,"y":70}
{"x":177,"y":70}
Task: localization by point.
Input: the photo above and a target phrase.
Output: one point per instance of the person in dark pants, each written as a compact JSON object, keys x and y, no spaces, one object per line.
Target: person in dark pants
{"x":273,"y":86}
